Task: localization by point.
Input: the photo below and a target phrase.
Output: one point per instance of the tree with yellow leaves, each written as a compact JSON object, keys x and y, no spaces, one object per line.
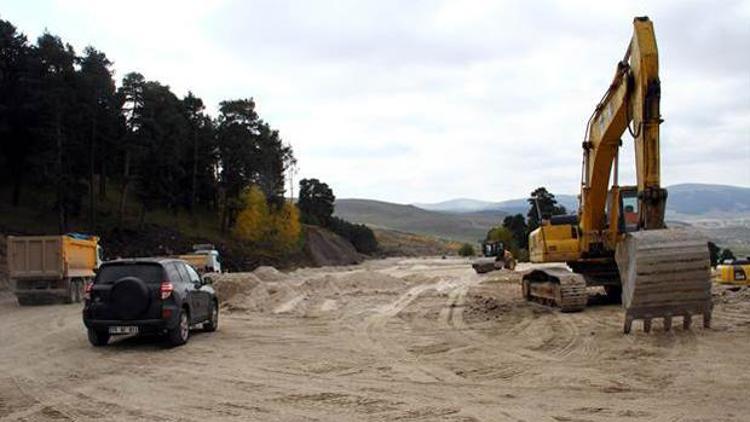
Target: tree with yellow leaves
{"x":278,"y":229}
{"x":286,"y":226}
{"x":252,"y":221}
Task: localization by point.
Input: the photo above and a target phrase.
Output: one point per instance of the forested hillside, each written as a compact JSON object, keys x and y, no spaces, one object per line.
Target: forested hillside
{"x":97,"y":153}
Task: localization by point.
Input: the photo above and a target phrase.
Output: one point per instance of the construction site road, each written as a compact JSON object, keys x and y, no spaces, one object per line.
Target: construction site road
{"x":388,"y":340}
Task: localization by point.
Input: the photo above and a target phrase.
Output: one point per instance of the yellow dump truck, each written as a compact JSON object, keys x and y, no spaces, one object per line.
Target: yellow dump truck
{"x":45,"y":269}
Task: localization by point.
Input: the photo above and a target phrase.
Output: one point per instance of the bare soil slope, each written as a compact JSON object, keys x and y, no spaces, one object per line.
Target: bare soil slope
{"x":395,"y":339}
{"x":323,"y":247}
{"x":402,"y":244}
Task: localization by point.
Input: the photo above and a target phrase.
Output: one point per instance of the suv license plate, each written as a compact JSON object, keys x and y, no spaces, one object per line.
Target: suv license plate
{"x":123,"y":330}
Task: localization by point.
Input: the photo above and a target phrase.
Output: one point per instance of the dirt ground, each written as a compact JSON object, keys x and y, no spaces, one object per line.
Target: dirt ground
{"x":388,"y":340}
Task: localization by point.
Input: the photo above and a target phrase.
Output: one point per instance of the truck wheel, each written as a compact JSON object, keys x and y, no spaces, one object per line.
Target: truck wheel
{"x":25,"y":301}
{"x":70,"y":297}
{"x":98,"y":338}
{"x":213,"y":323}
{"x":81,"y":288}
{"x":180,"y":334}
{"x":77,"y":293}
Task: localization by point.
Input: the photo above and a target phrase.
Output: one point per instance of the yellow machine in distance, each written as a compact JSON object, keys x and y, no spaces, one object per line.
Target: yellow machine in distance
{"x":734,"y":272}
{"x":618,"y":239}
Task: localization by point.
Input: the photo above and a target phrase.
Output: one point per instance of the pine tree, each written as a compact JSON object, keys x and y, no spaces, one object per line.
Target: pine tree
{"x":547,"y":205}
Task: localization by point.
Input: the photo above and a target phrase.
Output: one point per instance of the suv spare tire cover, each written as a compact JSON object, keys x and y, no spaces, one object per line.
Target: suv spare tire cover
{"x":129,"y":298}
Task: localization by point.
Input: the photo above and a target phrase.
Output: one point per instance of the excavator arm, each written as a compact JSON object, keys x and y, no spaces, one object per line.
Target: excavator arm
{"x":631,"y":103}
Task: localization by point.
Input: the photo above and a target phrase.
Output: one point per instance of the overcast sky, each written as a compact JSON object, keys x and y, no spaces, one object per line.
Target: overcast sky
{"x":421,"y":101}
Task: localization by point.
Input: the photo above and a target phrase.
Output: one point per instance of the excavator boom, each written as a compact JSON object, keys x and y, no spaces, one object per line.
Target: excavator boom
{"x":631,"y":103}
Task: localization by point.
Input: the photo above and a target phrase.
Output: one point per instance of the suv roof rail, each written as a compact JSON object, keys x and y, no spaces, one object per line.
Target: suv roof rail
{"x":203,"y":247}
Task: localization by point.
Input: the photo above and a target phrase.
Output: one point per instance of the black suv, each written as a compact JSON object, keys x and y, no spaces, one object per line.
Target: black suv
{"x":148,"y":296}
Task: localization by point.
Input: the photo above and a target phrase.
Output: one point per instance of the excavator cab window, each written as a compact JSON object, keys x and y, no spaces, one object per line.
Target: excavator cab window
{"x":629,"y":214}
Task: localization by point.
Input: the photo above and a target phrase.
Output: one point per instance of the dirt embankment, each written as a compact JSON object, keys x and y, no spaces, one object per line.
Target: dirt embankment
{"x":325,"y":248}
{"x":321,"y":248}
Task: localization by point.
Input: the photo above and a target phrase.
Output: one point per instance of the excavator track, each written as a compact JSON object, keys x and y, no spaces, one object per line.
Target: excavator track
{"x":556,"y":286}
{"x":664,"y":273}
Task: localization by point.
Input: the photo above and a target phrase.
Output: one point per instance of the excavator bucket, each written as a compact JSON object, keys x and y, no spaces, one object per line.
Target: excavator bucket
{"x":664,"y":273}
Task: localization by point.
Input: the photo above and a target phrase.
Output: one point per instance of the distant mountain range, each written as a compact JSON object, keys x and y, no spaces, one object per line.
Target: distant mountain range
{"x":691,"y":199}
{"x":468,"y":220}
{"x":465,"y":227}
{"x":511,"y":206}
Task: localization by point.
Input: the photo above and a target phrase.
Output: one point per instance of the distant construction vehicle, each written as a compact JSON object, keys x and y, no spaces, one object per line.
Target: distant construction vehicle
{"x":204,"y":258}
{"x":735,"y":271}
{"x":46,"y":269}
{"x":618,"y":239}
{"x":497,"y":257}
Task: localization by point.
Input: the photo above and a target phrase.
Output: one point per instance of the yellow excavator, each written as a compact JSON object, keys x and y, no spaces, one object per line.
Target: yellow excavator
{"x":618,"y":239}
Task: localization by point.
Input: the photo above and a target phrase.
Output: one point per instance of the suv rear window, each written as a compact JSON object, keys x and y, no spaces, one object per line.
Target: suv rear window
{"x":150,"y":273}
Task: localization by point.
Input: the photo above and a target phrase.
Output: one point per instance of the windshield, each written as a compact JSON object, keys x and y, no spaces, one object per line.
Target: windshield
{"x":150,"y":273}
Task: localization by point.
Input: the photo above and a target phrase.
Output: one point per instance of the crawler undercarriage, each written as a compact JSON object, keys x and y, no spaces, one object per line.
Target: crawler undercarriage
{"x":663,"y":273}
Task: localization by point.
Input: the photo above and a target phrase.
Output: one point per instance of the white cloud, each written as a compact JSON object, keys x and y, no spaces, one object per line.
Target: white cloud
{"x":422,"y":101}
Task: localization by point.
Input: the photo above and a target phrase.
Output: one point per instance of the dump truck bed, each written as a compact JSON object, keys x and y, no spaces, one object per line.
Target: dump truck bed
{"x":42,"y":257}
{"x":47,"y":268}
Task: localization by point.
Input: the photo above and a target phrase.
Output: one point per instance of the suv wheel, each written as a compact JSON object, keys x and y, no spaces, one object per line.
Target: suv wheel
{"x":213,"y":323}
{"x":98,"y":338}
{"x":179,"y":335}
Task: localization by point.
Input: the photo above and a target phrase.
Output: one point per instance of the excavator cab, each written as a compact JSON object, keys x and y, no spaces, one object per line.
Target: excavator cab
{"x":626,"y":198}
{"x":628,"y":209}
{"x":492,"y":248}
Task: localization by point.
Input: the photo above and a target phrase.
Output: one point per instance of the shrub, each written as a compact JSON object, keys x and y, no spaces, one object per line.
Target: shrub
{"x":466,"y":250}
{"x":359,"y":235}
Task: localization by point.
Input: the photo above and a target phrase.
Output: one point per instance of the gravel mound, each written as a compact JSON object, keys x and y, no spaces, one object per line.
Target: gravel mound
{"x":230,"y":285}
{"x":268,"y":290}
{"x":730,"y":294}
{"x":266,"y":273}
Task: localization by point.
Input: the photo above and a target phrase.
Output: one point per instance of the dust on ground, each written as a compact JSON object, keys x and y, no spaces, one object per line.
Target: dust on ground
{"x":394,"y":339}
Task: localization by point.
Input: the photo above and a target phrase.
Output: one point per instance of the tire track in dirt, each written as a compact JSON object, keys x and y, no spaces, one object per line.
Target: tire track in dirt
{"x":374,"y":336}
{"x":452,"y":320}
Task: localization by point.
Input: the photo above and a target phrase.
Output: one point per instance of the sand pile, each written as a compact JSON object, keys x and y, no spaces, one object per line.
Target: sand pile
{"x":270,"y":291}
{"x":368,"y":283}
{"x":232,"y":284}
{"x":730,"y":294}
{"x":270,"y":274}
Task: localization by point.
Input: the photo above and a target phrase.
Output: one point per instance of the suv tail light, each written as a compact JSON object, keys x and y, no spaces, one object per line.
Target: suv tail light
{"x":166,"y":290}
{"x":87,"y":291}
